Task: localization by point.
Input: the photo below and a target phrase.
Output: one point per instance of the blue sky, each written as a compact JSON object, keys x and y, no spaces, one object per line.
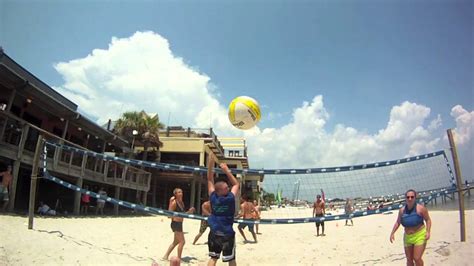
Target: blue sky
{"x":363,"y":57}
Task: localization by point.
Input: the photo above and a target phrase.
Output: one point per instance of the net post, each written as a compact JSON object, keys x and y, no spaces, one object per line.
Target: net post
{"x":34,"y":177}
{"x":457,"y":171}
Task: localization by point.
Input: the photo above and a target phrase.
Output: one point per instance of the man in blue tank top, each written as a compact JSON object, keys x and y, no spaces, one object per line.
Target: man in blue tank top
{"x":222,"y":236}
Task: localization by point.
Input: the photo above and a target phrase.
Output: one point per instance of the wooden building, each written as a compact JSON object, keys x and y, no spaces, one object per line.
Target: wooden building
{"x":29,"y":108}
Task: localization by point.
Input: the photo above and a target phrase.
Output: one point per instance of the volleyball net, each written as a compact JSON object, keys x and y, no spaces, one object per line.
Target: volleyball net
{"x":288,"y":194}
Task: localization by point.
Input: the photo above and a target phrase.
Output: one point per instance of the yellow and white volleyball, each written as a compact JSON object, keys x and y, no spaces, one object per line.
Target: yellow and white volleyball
{"x":244,"y":112}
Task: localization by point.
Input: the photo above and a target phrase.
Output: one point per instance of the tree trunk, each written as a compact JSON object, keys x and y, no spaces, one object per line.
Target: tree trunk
{"x":145,"y":158}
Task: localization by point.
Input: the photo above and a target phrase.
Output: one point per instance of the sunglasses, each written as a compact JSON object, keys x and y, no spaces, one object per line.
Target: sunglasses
{"x":410,"y":197}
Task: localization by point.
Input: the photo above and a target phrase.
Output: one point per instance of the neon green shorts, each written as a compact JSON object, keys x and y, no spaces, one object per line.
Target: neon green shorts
{"x":415,"y":239}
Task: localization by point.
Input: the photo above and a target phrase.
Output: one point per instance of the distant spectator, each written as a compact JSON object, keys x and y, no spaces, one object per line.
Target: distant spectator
{"x":5,"y":186}
{"x":370,"y":206}
{"x":101,"y":201}
{"x":85,"y":201}
{"x":349,"y":209}
{"x":257,"y":214}
{"x":44,"y":209}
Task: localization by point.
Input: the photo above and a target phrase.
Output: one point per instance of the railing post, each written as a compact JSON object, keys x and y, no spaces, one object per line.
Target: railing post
{"x":106,"y":170}
{"x":199,"y":193}
{"x":83,"y":165}
{"x":117,"y":196}
{"x":34,"y":177}
{"x":77,"y":197}
{"x":16,"y":168}
{"x":56,"y":156}
{"x":4,"y":126}
{"x":144,"y":197}
{"x":148,"y":180}
{"x":10,"y":103}
{"x":193,"y":192}
{"x":70,"y":159}
{"x":24,"y":136}
{"x":124,"y":174}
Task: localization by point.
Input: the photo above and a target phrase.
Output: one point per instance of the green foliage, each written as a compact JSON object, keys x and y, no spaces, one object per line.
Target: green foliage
{"x":268,"y":198}
{"x":147,"y":129}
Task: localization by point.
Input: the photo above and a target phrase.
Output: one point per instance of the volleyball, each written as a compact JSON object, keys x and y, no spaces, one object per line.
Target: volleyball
{"x":244,"y":112}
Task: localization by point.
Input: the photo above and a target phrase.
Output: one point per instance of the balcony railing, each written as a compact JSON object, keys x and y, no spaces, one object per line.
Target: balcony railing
{"x":18,"y":139}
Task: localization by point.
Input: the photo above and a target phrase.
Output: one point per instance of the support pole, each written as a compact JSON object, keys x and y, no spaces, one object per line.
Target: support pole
{"x":34,"y":177}
{"x":117,"y":196}
{"x":457,"y":171}
{"x":193,"y":192}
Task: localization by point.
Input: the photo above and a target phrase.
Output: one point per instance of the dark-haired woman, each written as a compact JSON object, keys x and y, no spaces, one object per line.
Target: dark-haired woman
{"x":417,"y":222}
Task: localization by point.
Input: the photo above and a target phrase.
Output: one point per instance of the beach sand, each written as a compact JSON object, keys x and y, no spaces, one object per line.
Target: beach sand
{"x":142,"y":240}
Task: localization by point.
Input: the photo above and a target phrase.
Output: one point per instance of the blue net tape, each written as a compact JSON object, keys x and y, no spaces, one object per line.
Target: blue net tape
{"x":425,"y":199}
{"x":198,"y":169}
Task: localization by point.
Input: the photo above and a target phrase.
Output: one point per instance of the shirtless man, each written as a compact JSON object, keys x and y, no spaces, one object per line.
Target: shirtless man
{"x":319,"y":211}
{"x":5,"y":186}
{"x":247,"y":212}
{"x":206,"y":211}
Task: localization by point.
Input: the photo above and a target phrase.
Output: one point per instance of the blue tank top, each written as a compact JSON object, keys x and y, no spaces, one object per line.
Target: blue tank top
{"x":410,"y":218}
{"x":222,"y":214}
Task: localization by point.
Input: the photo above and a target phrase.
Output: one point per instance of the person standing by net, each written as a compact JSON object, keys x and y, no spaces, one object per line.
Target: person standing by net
{"x":349,"y":209}
{"x":257,"y":215}
{"x":177,"y":205}
{"x":319,"y":211}
{"x":413,"y":217}
{"x":247,"y":211}
{"x":206,"y":211}
{"x":5,"y":186}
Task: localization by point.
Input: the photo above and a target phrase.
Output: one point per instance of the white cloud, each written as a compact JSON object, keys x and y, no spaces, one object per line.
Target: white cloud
{"x":404,"y":120}
{"x":141,"y":72}
{"x":464,"y":130}
{"x":306,"y":142}
{"x":435,"y":123}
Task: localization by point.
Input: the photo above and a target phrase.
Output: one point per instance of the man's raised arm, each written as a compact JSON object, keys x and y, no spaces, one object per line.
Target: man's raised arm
{"x":210,"y":174}
{"x":235,"y":183}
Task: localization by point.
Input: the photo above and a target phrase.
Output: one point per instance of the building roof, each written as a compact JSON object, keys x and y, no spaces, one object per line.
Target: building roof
{"x":16,"y":77}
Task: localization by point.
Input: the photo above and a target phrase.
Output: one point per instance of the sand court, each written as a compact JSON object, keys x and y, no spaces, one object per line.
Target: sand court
{"x":143,"y":240}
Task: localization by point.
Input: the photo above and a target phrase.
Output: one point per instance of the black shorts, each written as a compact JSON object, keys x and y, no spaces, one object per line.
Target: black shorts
{"x":177,"y":226}
{"x":320,"y":223}
{"x":203,"y":227}
{"x":242,"y":226}
{"x":224,"y":244}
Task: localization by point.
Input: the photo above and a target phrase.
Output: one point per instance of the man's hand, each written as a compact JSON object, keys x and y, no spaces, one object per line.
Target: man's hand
{"x":224,"y":167}
{"x":392,"y":237}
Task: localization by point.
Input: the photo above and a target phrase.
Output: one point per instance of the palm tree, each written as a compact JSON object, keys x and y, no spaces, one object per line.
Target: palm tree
{"x":147,"y":129}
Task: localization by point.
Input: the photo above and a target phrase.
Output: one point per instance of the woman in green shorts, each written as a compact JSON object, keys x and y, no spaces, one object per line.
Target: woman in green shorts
{"x":413,"y":217}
